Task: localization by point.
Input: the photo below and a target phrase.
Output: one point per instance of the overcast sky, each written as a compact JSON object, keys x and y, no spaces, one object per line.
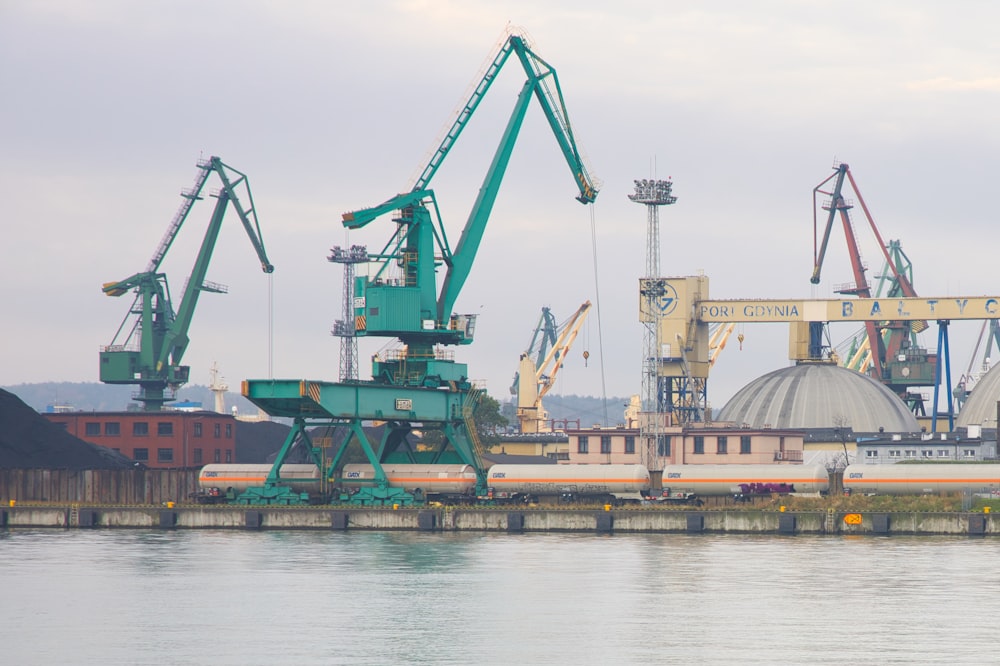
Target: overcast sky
{"x":334,"y":106}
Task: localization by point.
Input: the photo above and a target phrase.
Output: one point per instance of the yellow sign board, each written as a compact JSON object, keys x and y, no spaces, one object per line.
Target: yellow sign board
{"x":852,"y":519}
{"x":858,"y":309}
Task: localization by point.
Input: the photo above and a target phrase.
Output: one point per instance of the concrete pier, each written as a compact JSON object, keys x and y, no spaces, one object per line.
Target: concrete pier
{"x":500,"y":519}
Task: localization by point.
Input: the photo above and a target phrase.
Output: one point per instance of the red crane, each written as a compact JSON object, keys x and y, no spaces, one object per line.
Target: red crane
{"x":895,"y":360}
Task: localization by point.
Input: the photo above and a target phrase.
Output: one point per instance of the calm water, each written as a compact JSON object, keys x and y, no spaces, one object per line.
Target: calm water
{"x":277,"y":598}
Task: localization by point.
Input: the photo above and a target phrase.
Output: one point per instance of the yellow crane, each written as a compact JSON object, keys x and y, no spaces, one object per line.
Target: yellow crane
{"x":534,"y":382}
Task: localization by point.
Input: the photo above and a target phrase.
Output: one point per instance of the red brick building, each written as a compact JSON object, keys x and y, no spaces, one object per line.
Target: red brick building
{"x":159,"y":440}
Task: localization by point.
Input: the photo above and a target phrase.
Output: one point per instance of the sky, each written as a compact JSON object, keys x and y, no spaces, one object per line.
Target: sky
{"x":332,"y":107}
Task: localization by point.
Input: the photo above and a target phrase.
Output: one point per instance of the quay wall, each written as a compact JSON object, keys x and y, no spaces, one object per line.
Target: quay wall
{"x":100,"y":486}
{"x":443,"y":519}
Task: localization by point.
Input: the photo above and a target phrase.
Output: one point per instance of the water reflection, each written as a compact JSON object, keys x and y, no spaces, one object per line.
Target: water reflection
{"x":236,"y":597}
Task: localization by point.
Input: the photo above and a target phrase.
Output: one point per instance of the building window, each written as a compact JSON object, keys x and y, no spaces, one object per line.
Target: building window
{"x":112,"y":428}
{"x":140,"y":429}
{"x":969,"y":453}
{"x":92,"y":429}
{"x":165,"y":429}
{"x":629,"y":443}
{"x":663,"y":445}
{"x":911,"y":453}
{"x":218,"y":430}
{"x":197,"y":456}
{"x":229,"y":455}
{"x":197,"y":429}
{"x":721,"y":445}
{"x":699,"y":444}
{"x":164,"y":455}
{"x":943,"y":453}
{"x":894,"y":453}
{"x":229,"y":431}
{"x":582,"y":444}
{"x":140,"y":455}
{"x":62,"y":424}
{"x":605,"y":443}
{"x":926,"y":453}
{"x":744,"y":443}
{"x":871,"y":453}
{"x":218,"y":456}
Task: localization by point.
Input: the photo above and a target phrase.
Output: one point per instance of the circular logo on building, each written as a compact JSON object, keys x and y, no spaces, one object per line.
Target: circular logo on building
{"x":667,"y":301}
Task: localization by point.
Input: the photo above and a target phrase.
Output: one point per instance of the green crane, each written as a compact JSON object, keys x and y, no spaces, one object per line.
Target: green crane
{"x":149,"y":344}
{"x":420,"y":386}
{"x":401,"y":299}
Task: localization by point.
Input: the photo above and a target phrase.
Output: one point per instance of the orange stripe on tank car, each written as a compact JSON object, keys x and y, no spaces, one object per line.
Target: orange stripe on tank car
{"x":233,"y":478}
{"x":254,"y":478}
{"x":743,"y":480}
{"x":550,"y":480}
{"x":921,"y":480}
{"x":416,"y":479}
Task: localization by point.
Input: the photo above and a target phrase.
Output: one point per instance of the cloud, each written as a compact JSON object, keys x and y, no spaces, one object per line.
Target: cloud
{"x":948,"y":84}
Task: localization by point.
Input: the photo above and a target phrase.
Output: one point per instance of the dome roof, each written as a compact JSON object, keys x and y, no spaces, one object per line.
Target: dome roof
{"x":981,"y":407}
{"x":818,"y":395}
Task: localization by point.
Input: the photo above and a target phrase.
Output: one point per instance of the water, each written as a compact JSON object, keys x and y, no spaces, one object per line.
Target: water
{"x":281,"y":598}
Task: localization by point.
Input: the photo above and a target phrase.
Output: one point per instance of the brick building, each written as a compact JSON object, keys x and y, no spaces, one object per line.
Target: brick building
{"x":158,"y":440}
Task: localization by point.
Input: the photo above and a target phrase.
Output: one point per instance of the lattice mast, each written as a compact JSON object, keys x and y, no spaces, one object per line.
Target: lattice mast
{"x":653,"y":194}
{"x":345,"y":328}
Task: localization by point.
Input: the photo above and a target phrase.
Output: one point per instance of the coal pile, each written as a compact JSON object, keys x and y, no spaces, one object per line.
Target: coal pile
{"x":259,"y":442}
{"x":30,"y":441}
{"x":256,"y":441}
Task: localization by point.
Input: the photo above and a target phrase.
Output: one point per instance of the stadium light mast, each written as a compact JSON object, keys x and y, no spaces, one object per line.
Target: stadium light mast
{"x":345,"y":328}
{"x":653,"y":194}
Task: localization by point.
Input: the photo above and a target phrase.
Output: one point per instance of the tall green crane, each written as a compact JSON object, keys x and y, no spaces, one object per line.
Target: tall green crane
{"x":409,"y":306}
{"x":420,"y":385}
{"x":149,"y":344}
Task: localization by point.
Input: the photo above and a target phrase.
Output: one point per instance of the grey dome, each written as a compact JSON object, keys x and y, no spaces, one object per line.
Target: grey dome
{"x":981,"y":407}
{"x":818,"y":395}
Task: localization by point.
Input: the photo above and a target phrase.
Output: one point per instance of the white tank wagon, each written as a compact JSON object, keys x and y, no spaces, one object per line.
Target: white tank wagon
{"x":918,"y":479}
{"x":719,"y":480}
{"x":455,"y":479}
{"x":569,"y":481}
{"x":300,"y":478}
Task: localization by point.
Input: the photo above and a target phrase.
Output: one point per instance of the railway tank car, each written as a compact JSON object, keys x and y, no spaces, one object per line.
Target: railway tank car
{"x":720,"y":480}
{"x":300,"y":478}
{"x":510,"y":482}
{"x":569,"y":482}
{"x":453,"y":481}
{"x":924,"y":478}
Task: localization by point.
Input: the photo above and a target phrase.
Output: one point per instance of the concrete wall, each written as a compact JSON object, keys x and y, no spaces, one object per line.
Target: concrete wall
{"x":500,"y":519}
{"x":94,"y":486}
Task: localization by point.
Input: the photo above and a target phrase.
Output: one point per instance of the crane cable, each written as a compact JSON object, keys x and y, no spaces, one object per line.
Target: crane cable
{"x":270,"y":325}
{"x":597,"y":304}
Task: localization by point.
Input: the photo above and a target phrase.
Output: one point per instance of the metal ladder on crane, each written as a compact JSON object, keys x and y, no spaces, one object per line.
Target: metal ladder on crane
{"x":189,"y":197}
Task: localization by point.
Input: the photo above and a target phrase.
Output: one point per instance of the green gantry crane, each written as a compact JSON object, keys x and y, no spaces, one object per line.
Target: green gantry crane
{"x":149,"y":344}
{"x":420,"y":385}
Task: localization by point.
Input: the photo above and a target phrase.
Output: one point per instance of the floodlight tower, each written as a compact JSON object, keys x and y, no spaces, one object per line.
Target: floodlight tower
{"x":344,"y":328}
{"x":655,"y":399}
